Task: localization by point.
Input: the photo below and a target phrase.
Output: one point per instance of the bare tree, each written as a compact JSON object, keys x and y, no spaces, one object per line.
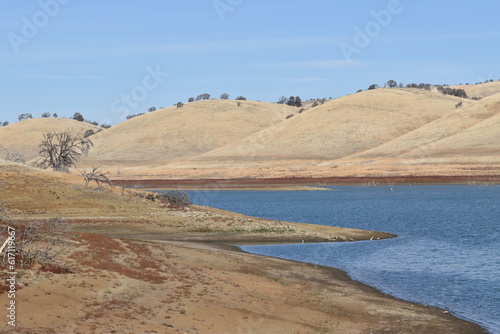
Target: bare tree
{"x":95,"y":175}
{"x":282,"y":100}
{"x":61,"y":150}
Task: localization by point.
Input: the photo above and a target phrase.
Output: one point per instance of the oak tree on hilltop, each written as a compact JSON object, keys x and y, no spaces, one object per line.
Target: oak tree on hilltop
{"x":25,"y":116}
{"x":77,"y":116}
{"x":392,"y":84}
{"x":282,"y":100}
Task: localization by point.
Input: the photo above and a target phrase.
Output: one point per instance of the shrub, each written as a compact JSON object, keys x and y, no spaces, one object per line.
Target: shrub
{"x":35,"y":241}
{"x":176,"y":199}
{"x":15,"y":157}
{"x":452,"y":91}
{"x":88,"y":133}
{"x":133,"y":115}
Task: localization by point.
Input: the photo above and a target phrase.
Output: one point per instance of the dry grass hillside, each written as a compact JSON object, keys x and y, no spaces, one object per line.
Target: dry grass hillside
{"x":376,"y":132}
{"x":481,"y":90}
{"x":464,"y":142}
{"x":479,"y":133}
{"x":341,"y":127}
{"x":24,"y":137}
{"x":456,"y":122}
{"x":179,"y":133}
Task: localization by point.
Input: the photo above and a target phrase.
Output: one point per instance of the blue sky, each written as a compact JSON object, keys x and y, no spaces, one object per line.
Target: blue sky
{"x":108,"y":59}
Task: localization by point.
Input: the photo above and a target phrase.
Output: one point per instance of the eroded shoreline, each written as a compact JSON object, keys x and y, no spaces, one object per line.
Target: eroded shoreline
{"x":137,"y":266}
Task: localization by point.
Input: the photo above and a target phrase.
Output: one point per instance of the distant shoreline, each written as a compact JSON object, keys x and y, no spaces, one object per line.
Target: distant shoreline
{"x":303,"y":183}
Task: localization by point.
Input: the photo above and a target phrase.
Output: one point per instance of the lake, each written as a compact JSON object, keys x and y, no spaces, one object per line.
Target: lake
{"x":447,"y":253}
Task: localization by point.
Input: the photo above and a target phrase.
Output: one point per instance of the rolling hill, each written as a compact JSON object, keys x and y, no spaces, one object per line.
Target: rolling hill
{"x":466,"y":141}
{"x":340,"y":127}
{"x":175,"y":133}
{"x":377,"y":132}
{"x":419,"y":140}
{"x":24,"y":137}
{"x":479,"y":133}
{"x":481,"y":90}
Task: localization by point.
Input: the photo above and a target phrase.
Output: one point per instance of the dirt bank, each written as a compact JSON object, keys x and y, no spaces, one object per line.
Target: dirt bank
{"x":301,"y":183}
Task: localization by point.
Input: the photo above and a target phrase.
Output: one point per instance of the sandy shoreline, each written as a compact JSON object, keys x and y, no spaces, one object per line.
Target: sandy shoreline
{"x":137,"y":267}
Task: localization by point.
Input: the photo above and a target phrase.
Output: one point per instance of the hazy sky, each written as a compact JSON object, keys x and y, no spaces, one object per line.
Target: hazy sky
{"x":108,"y":59}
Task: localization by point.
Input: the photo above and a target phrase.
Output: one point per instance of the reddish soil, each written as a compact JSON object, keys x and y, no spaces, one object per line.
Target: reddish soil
{"x":291,"y":181}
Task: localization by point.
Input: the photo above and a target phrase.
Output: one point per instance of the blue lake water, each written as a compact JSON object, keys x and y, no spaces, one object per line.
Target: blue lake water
{"x":447,"y":253}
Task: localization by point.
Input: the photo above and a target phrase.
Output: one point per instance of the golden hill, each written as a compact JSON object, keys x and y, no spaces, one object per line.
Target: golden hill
{"x":340,"y":127}
{"x":311,"y":143}
{"x":466,"y":141}
{"x":479,"y":133}
{"x":481,"y":90}
{"x":24,"y":137}
{"x":447,"y":126}
{"x":377,"y":132}
{"x":175,"y":133}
